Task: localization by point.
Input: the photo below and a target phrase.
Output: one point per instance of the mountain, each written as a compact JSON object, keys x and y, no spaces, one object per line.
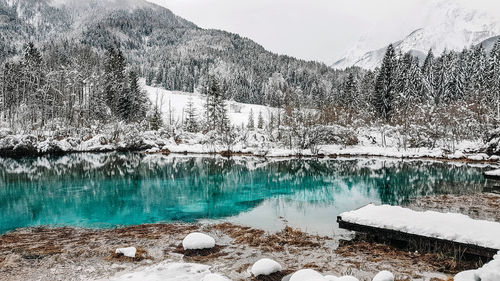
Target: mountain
{"x":159,"y":44}
{"x":450,"y":25}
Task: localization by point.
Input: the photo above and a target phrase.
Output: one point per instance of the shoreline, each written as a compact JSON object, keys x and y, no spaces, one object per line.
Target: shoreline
{"x":44,"y":253}
{"x":472,"y":158}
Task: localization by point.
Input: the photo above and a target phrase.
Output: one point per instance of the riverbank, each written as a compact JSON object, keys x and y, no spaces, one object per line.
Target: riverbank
{"x":86,"y":254}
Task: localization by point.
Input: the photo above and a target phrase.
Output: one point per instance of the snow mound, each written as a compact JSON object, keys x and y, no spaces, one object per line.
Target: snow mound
{"x":307,"y":275}
{"x":313,"y":275}
{"x":384,"y":276}
{"x":168,"y":272}
{"x":478,"y":157}
{"x":489,"y":272}
{"x":265,"y":267}
{"x":198,"y":241}
{"x":347,"y":278}
{"x":214,"y":277}
{"x":447,"y":226}
{"x":128,"y":252}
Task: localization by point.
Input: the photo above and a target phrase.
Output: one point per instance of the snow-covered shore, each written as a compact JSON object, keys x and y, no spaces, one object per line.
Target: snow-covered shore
{"x":15,"y":145}
{"x":254,"y":144}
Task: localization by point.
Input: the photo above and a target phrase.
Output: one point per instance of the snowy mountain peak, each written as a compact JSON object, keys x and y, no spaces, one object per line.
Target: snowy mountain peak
{"x":449,"y":25}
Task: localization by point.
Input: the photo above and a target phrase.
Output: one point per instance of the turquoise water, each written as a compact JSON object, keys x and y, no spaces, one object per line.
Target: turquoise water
{"x":107,"y":190}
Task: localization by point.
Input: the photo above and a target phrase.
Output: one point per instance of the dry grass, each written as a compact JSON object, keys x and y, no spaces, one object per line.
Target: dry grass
{"x":32,"y":253}
{"x":380,"y":253}
{"x":270,"y":242}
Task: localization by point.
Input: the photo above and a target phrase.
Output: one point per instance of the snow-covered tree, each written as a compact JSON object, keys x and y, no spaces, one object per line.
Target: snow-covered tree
{"x":385,"y":85}
{"x":191,"y":123}
{"x":260,"y":121}
{"x":251,"y":124}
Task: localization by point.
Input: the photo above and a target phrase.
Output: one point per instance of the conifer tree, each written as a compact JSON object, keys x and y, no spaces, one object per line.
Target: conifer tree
{"x":251,"y":124}
{"x":215,"y":107}
{"x":385,"y":85}
{"x":191,"y":124}
{"x":349,"y":91}
{"x":159,"y":77}
{"x":115,"y":84}
{"x":260,"y":121}
{"x":150,"y":77}
{"x":428,"y":75}
{"x":494,"y":77}
{"x":138,"y":102}
{"x":156,"y":120}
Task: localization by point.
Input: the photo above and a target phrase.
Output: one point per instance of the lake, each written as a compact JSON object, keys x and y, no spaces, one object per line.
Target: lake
{"x":114,"y":189}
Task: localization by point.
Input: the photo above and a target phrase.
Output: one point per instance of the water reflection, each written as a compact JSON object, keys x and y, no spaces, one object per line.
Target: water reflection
{"x":104,"y":190}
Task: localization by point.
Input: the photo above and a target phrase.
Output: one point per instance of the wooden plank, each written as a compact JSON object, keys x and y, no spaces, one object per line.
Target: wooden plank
{"x":437,"y":244}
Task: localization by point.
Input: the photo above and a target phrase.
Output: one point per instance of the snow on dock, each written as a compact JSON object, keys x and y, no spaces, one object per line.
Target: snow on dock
{"x":478,"y":237}
{"x":493,"y":174}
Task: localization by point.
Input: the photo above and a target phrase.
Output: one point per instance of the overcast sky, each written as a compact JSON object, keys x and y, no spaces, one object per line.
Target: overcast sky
{"x":322,"y":30}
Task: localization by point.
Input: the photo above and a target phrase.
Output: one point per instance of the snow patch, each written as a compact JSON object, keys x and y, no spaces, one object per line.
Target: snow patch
{"x":214,"y":277}
{"x":489,"y":272}
{"x":384,"y":276}
{"x":347,"y":278}
{"x":306,"y":275}
{"x":167,"y":272}
{"x":128,"y":252}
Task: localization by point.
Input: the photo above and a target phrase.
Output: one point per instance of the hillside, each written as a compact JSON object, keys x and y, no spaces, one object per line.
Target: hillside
{"x":160,"y":44}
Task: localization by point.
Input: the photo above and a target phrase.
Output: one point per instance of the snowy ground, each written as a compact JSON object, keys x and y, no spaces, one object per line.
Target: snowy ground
{"x":173,"y":105}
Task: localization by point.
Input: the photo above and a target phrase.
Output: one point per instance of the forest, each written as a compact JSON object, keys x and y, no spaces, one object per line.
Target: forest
{"x":454,"y":96}
{"x":62,"y":81}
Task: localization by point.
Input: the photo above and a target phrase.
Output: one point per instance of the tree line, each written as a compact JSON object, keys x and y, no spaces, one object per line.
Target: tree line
{"x":69,"y":86}
{"x":452,"y":97}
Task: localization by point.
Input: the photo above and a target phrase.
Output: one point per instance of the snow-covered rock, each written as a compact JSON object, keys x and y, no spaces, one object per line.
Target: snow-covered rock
{"x":265,"y":267}
{"x":214,"y":277}
{"x":331,"y":278}
{"x":128,"y":252}
{"x":489,"y":272}
{"x":307,"y":275}
{"x":347,"y":278}
{"x":198,"y":241}
{"x":384,"y":276}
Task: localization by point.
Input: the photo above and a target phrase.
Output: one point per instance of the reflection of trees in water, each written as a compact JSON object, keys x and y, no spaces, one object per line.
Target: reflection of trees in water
{"x":136,"y":188}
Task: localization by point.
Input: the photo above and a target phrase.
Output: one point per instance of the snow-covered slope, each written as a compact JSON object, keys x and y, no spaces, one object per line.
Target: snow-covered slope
{"x":173,"y":106}
{"x":449,"y":25}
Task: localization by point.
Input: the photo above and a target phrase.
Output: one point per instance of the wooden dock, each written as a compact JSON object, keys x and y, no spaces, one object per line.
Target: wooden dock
{"x":429,"y":244}
{"x":418,"y":242}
